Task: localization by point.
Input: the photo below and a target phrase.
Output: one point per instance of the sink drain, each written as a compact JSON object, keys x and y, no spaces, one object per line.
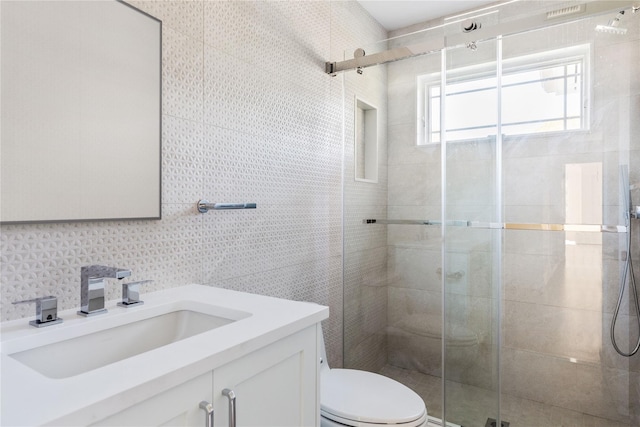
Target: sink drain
{"x":491,"y":422}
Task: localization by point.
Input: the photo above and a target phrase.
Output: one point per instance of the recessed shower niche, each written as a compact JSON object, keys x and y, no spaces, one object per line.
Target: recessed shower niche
{"x":366,"y":141}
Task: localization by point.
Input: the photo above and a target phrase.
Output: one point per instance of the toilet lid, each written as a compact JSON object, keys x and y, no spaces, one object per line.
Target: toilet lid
{"x":367,"y":397}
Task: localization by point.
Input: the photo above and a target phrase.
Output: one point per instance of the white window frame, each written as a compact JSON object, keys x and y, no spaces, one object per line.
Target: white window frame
{"x":565,"y":56}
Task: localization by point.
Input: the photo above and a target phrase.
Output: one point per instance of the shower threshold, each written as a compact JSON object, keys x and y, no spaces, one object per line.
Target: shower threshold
{"x":437,"y":422}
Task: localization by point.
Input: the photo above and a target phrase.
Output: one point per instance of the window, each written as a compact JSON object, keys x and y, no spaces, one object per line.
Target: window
{"x":540,"y":93}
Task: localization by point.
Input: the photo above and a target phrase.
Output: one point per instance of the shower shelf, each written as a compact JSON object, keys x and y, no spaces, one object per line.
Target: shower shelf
{"x":593,"y":228}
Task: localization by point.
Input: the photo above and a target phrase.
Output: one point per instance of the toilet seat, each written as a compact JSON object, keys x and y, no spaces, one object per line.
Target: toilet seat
{"x":363,"y":399}
{"x":342,"y":422}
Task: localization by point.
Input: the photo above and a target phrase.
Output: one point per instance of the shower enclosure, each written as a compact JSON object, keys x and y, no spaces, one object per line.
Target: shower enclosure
{"x":482,"y":264}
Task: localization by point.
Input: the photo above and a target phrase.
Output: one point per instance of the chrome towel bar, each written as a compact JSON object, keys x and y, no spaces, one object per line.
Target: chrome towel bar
{"x":204,"y":206}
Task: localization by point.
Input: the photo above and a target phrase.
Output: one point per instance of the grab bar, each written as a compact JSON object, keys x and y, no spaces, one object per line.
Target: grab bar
{"x":458,"y":223}
{"x":205,"y":206}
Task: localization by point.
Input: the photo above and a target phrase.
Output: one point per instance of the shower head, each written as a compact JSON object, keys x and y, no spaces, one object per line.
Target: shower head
{"x":611,"y":29}
{"x":613,"y":26}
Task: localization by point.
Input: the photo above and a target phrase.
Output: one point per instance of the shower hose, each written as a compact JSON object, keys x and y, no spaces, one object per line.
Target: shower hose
{"x":627,"y":272}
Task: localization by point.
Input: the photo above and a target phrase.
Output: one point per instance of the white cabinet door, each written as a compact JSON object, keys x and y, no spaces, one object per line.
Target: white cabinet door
{"x":275,"y":386}
{"x":178,"y":406}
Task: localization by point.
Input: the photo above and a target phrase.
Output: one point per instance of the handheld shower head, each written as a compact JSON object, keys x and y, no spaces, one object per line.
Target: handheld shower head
{"x":627,"y":270}
{"x":625,"y":191}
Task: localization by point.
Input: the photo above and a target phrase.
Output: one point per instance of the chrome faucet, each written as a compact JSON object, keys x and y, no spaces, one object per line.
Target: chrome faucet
{"x":92,"y":287}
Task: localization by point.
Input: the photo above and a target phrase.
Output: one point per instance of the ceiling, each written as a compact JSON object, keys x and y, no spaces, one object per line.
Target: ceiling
{"x":395,"y":14}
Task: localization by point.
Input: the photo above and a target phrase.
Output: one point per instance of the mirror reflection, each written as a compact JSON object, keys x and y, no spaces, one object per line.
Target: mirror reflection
{"x":81,"y":111}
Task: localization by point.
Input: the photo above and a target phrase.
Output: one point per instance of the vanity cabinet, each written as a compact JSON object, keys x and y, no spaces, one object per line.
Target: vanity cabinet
{"x":276,"y":385}
{"x":174,"y":407}
{"x":264,"y":349}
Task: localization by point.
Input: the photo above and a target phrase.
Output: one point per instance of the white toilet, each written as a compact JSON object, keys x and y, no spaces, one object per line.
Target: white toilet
{"x":355,"y":398}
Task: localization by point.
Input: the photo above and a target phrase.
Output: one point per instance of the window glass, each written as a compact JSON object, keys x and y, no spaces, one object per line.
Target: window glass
{"x":540,"y":93}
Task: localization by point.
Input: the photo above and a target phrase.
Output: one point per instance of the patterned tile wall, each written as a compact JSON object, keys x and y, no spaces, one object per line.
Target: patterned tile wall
{"x":249,"y":115}
{"x":365,"y":257}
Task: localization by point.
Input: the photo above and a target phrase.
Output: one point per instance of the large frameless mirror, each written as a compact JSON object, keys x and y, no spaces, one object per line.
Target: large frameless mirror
{"x":81,"y":111}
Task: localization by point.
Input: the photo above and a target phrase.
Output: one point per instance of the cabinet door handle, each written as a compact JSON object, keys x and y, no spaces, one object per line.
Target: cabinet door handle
{"x":208,"y":408}
{"x":232,"y":406}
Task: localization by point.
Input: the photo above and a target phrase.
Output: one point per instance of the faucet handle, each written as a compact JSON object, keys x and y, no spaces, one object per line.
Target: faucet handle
{"x":46,"y":311}
{"x":131,"y":293}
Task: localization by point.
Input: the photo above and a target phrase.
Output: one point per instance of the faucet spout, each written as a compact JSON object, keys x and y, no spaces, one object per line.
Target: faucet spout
{"x":102,"y":271}
{"x":92,"y":287}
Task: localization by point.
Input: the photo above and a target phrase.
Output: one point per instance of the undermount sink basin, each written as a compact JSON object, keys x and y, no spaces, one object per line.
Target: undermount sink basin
{"x":87,"y":352}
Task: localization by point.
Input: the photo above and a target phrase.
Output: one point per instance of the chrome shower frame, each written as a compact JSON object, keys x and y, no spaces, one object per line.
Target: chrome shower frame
{"x":482,"y":31}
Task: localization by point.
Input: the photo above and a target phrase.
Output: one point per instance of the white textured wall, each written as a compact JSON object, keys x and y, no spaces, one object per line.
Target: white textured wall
{"x":248,"y":116}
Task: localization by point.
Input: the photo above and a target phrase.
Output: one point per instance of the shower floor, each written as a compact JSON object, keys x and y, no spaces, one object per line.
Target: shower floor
{"x":473,"y":413}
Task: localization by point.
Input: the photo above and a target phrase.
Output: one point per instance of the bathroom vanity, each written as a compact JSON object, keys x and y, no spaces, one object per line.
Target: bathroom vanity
{"x":185,"y":352}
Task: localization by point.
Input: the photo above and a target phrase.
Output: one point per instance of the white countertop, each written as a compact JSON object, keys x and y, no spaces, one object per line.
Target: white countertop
{"x":30,"y":398}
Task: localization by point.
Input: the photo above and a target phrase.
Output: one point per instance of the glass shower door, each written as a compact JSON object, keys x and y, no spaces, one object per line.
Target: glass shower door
{"x":563,"y":253}
{"x":540,"y":132}
{"x":471,"y":253}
